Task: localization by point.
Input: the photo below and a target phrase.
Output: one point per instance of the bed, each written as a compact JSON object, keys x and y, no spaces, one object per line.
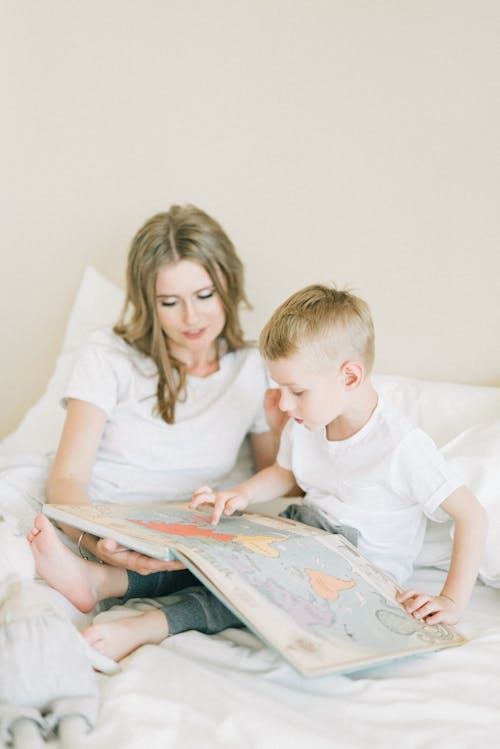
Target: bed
{"x":229,"y":690}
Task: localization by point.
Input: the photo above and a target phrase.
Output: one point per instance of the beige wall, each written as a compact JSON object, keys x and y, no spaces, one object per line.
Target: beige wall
{"x":334,"y":139}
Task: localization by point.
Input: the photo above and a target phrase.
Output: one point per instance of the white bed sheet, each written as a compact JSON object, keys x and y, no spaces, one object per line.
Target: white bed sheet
{"x":230,"y":690}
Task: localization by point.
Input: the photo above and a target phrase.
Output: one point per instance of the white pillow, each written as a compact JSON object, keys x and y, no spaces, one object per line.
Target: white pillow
{"x":475,"y":457}
{"x":442,"y":409}
{"x":98,"y":302}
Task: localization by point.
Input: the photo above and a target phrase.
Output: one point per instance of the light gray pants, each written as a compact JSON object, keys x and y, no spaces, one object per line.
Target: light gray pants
{"x":189,"y":605}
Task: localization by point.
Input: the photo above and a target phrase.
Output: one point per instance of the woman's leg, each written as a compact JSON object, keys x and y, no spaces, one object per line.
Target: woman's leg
{"x":183,"y":603}
{"x":116,"y":639}
{"x":197,"y":608}
{"x":85,"y":583}
{"x":156,"y":584}
{"x":193,"y":608}
{"x":310,"y":516}
{"x":81,"y":582}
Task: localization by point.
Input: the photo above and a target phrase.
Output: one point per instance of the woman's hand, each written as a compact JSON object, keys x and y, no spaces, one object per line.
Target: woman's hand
{"x":275,"y":417}
{"x":439,"y":609}
{"x":113,"y":553}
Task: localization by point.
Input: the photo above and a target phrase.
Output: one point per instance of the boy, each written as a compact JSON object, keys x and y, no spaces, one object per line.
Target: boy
{"x":365,"y":470}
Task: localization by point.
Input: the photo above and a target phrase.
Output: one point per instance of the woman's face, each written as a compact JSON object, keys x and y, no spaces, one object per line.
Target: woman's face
{"x":190,"y":311}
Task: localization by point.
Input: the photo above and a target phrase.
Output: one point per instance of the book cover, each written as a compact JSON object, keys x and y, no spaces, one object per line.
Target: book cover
{"x":307,"y":593}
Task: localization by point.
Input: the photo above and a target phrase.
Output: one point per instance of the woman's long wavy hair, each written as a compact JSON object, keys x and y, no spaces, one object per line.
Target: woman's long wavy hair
{"x":182,"y":233}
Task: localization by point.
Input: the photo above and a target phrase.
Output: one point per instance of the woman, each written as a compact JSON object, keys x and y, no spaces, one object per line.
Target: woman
{"x":156,"y":407}
{"x":162,"y":403}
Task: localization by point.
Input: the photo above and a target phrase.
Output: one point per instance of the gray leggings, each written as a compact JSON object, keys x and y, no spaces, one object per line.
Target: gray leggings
{"x":189,"y":605}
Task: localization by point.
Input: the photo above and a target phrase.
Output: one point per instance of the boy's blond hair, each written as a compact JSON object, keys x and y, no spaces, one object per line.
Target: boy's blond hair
{"x":329,"y":325}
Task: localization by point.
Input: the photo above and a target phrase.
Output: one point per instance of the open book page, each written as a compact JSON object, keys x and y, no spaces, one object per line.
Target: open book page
{"x":307,"y":593}
{"x":123,"y":523}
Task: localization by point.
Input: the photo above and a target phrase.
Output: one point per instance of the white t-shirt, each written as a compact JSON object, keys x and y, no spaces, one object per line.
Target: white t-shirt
{"x":140,"y":458}
{"x":382,"y":481}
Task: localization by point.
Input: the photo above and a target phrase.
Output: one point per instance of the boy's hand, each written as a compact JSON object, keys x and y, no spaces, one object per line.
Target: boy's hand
{"x":275,"y":417}
{"x":225,"y":502}
{"x":432,"y":609}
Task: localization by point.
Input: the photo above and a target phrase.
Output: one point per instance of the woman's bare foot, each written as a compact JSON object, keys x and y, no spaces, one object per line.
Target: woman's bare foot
{"x":81,"y":582}
{"x":116,"y":639}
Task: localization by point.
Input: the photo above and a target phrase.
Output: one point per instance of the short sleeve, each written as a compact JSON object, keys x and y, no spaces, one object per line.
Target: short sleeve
{"x":284,"y":458}
{"x":94,"y":378}
{"x":260,"y":424}
{"x":261,"y":383}
{"x":422,"y":474}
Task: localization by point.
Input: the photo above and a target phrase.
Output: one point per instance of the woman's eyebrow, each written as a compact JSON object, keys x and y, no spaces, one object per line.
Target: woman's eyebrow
{"x":204,"y":288}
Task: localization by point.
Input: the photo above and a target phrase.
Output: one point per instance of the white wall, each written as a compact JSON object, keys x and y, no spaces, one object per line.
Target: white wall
{"x":334,"y":139}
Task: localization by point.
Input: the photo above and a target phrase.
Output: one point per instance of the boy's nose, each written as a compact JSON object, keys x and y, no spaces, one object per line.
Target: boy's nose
{"x":284,"y":401}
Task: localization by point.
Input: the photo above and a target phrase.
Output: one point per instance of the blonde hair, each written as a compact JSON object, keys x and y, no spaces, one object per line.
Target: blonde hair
{"x":332,"y":326}
{"x":182,"y":233}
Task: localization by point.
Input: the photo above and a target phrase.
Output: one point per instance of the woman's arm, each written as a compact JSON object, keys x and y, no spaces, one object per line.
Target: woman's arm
{"x":265,"y":446}
{"x":69,"y":480}
{"x":264,"y":449}
{"x":72,"y":469}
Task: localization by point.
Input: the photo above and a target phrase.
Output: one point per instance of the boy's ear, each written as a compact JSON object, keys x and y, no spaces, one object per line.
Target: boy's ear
{"x":352,"y":373}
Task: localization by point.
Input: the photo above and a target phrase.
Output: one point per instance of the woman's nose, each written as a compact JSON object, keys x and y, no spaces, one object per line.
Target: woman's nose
{"x":190,"y":314}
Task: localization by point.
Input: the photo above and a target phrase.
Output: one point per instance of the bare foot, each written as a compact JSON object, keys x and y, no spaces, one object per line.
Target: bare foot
{"x":81,"y":582}
{"x":116,"y":639}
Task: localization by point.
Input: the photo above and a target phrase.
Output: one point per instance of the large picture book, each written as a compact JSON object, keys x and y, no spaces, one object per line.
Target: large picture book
{"x":307,"y":593}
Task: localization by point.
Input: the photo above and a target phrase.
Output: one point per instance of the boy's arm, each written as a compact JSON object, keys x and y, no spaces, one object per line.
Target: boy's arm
{"x":270,"y":483}
{"x":468,"y":545}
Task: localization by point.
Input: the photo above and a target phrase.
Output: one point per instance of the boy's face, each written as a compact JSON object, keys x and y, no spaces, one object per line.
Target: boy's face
{"x":313,"y":399}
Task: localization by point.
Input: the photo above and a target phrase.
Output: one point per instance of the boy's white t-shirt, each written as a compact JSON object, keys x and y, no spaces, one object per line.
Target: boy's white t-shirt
{"x":140,"y":458}
{"x":383,"y":481}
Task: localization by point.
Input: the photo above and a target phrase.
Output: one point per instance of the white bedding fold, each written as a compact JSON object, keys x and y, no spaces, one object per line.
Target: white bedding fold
{"x":231,"y":691}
